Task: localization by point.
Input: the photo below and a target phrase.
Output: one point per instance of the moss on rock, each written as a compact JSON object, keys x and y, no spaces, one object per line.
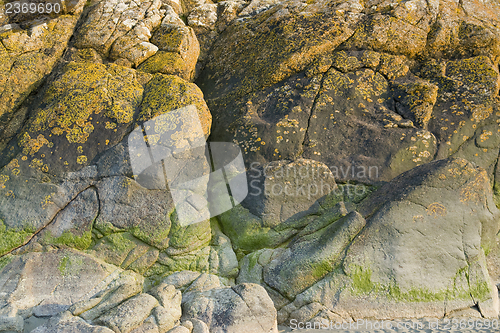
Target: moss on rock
{"x":4,"y":261}
{"x":11,"y":238}
{"x":362,"y":284}
{"x":67,"y":238}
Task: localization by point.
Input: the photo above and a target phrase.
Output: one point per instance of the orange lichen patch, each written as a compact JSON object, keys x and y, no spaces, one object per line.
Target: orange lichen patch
{"x":345,"y":62}
{"x":418,"y":219}
{"x":126,"y":182}
{"x":32,"y":146}
{"x":122,"y":114}
{"x":47,"y":201}
{"x":38,"y":164}
{"x":273,"y":51}
{"x":477,"y":74}
{"x":3,"y":180}
{"x":82,"y":99}
{"x":82,"y":159}
{"x":485,"y":135}
{"x":84,"y":89}
{"x":474,"y":190}
{"x":285,"y":122}
{"x":76,"y":135}
{"x":110,"y":125}
{"x":393,"y":66}
{"x":165,"y":123}
{"x":482,"y":112}
{"x":336,"y":82}
{"x":388,"y":34}
{"x":27,"y":56}
{"x":420,"y":97}
{"x":57,"y":131}
{"x":436,"y":209}
{"x":13,"y":164}
{"x":370,"y":84}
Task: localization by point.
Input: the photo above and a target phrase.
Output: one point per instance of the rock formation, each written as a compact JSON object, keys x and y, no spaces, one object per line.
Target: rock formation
{"x":369,"y":132}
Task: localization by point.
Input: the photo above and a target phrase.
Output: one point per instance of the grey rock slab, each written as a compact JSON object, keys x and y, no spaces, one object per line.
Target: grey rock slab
{"x":126,"y":205}
{"x":76,"y":218}
{"x":10,"y":320}
{"x":425,"y":236}
{"x":64,"y":278}
{"x":65,"y":323}
{"x":126,"y":285}
{"x":284,"y":190}
{"x":245,"y":308}
{"x":312,"y":256}
{"x":128,"y":315}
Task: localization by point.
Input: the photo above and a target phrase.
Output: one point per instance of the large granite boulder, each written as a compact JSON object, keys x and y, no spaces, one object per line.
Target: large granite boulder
{"x":62,"y":168}
{"x":357,"y":85}
{"x":421,"y":253}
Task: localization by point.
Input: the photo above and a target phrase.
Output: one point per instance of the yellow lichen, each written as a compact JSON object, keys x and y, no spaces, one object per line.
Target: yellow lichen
{"x":436,"y":209}
{"x":82,"y":159}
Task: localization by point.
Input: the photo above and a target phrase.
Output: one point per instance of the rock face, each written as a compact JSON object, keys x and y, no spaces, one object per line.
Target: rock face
{"x":243,"y":308}
{"x":45,"y":290}
{"x":337,"y":93}
{"x":411,"y":270}
{"x":391,"y":268}
{"x":29,"y":51}
{"x":370,"y":135}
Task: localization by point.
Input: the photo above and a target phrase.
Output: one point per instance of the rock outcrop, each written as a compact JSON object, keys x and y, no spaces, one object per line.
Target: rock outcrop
{"x":369,"y":133}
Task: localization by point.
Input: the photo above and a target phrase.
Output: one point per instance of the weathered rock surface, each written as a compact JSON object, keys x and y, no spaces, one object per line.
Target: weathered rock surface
{"x":66,"y":323}
{"x":416,"y":257}
{"x":29,"y":52}
{"x":243,"y":308}
{"x":458,"y":234}
{"x":369,"y":131}
{"x":61,"y":140}
{"x":64,"y":278}
{"x":341,"y":107}
{"x":312,"y":256}
{"x":128,"y":315}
